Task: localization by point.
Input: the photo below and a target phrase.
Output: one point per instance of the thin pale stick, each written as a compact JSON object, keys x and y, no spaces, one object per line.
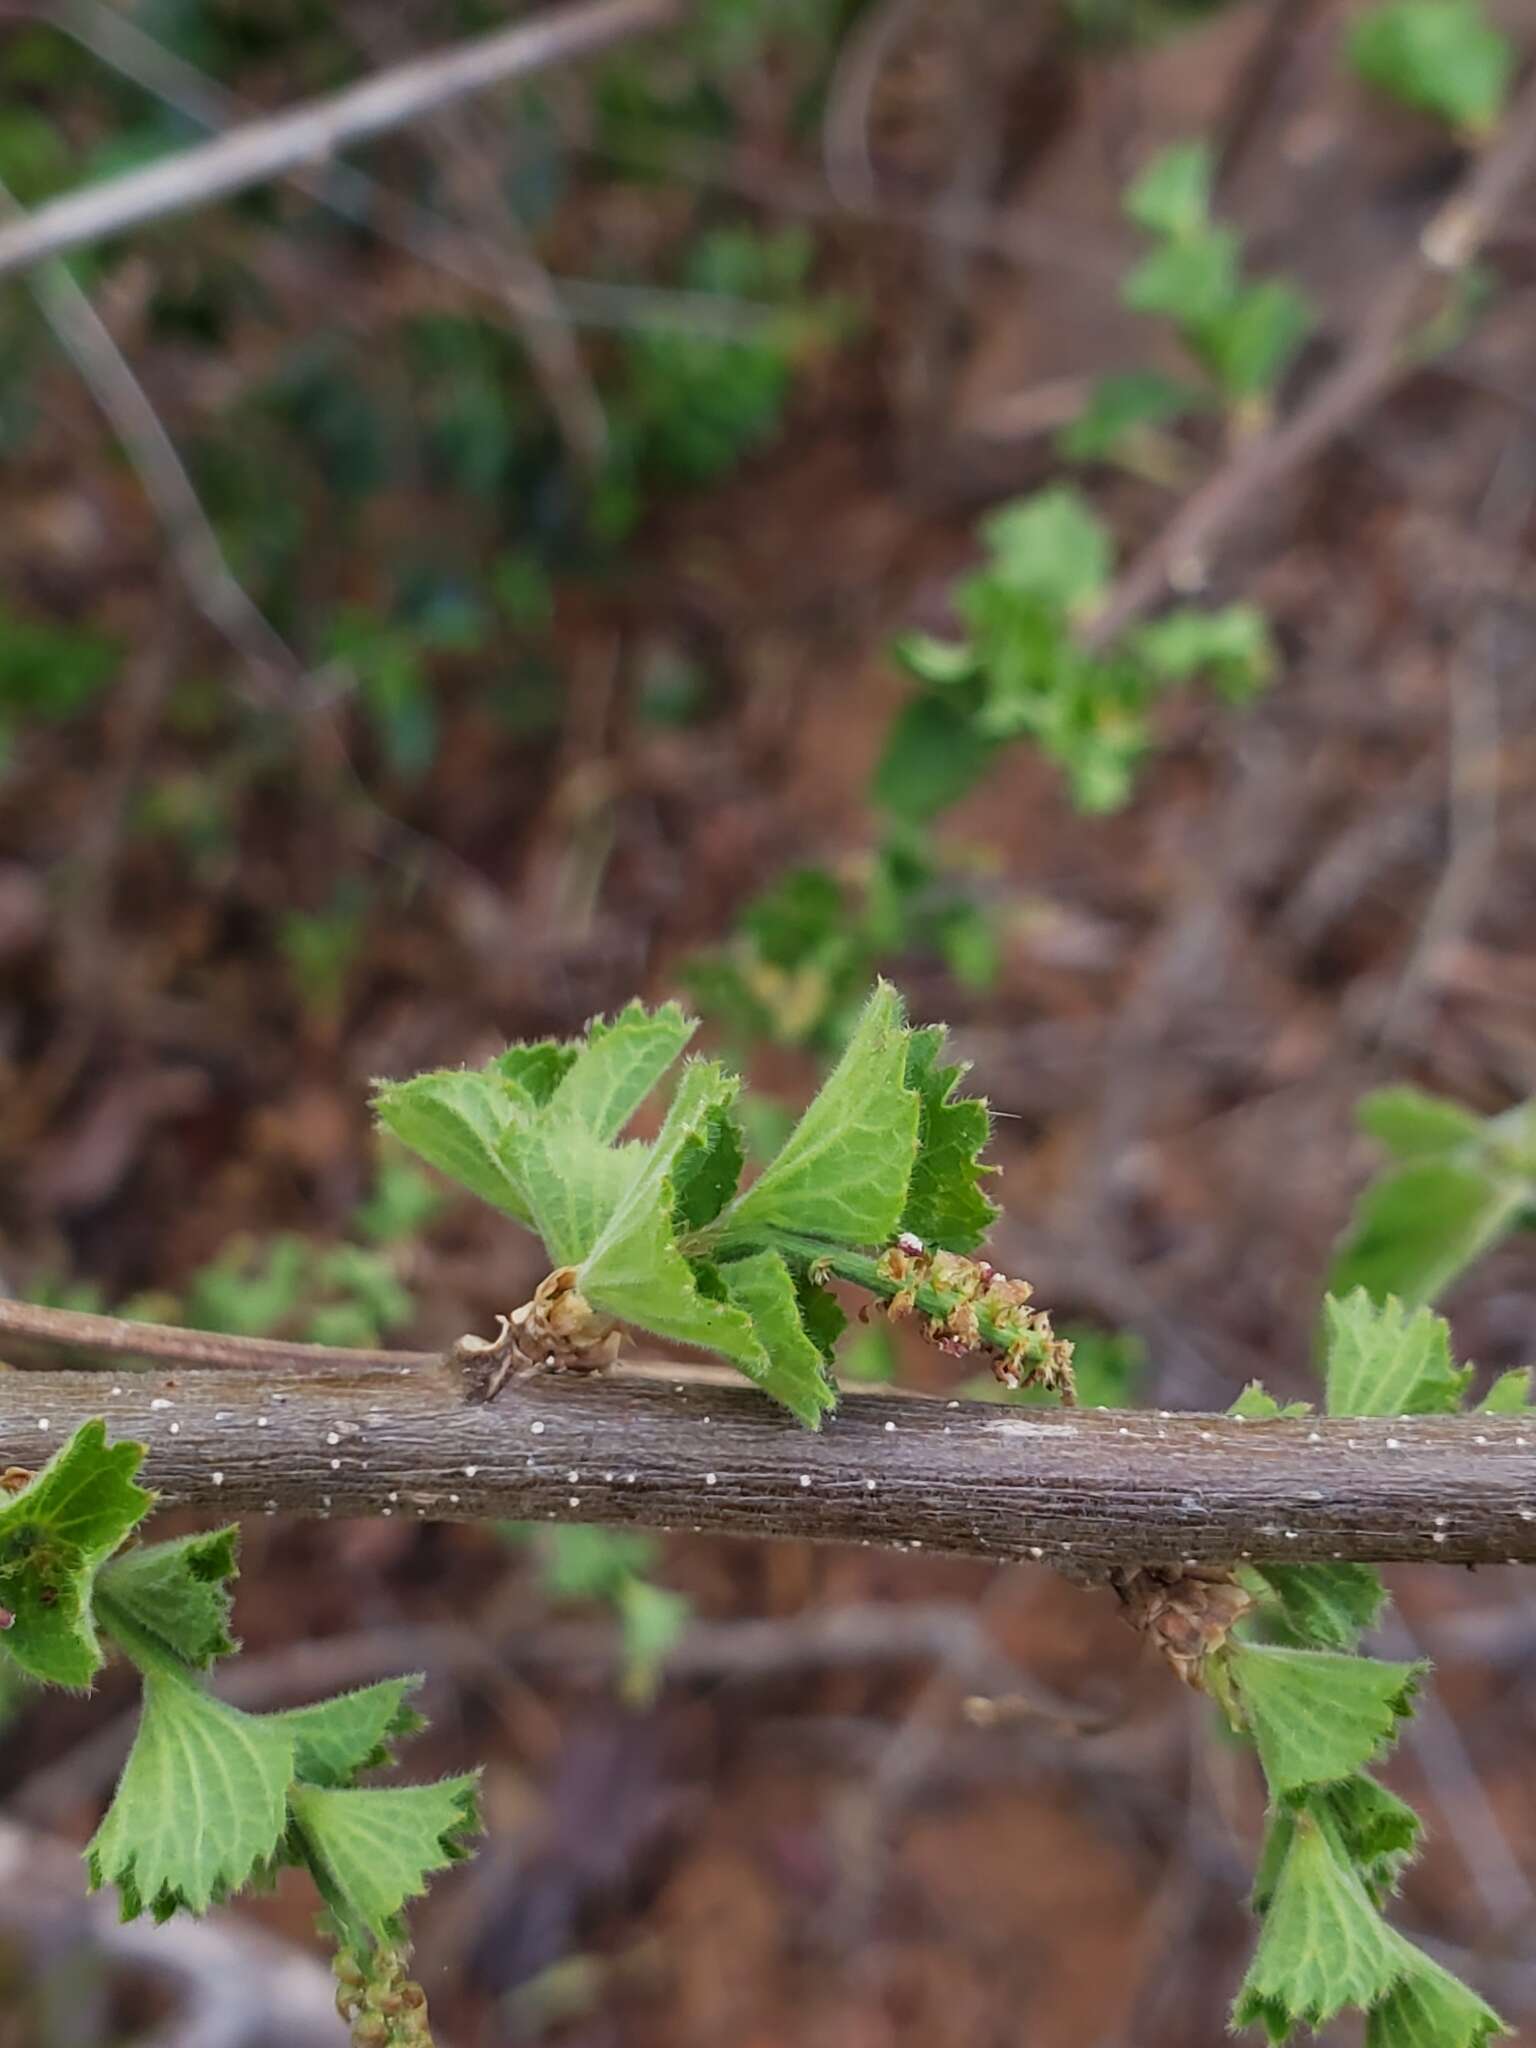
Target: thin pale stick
{"x":265,"y":149}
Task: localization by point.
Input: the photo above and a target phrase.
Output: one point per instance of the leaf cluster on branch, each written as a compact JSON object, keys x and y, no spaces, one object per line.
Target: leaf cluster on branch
{"x":212,"y":1799}
{"x":1320,"y":1715}
{"x":879,"y":1184}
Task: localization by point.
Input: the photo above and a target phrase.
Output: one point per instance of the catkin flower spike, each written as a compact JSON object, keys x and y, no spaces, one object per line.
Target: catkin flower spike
{"x":967,"y":1305}
{"x":380,"y":2003}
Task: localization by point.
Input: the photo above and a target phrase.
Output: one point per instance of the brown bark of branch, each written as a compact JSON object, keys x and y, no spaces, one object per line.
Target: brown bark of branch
{"x":1086,"y":1491}
{"x":264,"y":149}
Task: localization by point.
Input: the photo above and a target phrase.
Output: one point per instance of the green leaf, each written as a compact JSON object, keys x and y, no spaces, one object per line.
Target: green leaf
{"x":618,"y":1065}
{"x":646,"y":1280}
{"x":575,"y":1182}
{"x":651,"y":1620}
{"x":1441,"y":57}
{"x":1279,"y":1833}
{"x":1172,"y":195}
{"x":1378,"y":1831}
{"x":400,"y":1203}
{"x":1052,"y":547}
{"x":843,"y":1172}
{"x":201,"y":1802}
{"x":1247,"y":345}
{"x":1415,"y":1125}
{"x":902,"y":891}
{"x":536,"y":1070}
{"x":457,"y":1121}
{"x":821,"y":1312}
{"x":1256,"y":1404}
{"x":934,"y":754}
{"x":799,"y":919}
{"x":1368,"y":1827}
{"x":85,"y":1494}
{"x":592,"y":1200}
{"x":179,"y":1593}
{"x":1324,"y":1945}
{"x":47,"y":671}
{"x":1191,"y":283}
{"x":707,"y":1170}
{"x":1416,"y":1228}
{"x":1510,"y":1393}
{"x":372,"y":1850}
{"x":54,"y":1534}
{"x":493,"y":1130}
{"x":1381,"y":1360}
{"x":1327,"y":1606}
{"x":1316,"y":1716}
{"x":1429,"y":2008}
{"x":943,"y":663}
{"x":635,"y":1270}
{"x":581,"y":1562}
{"x":1231,"y":646}
{"x":1118,"y":408}
{"x":793,"y":1369}
{"x":1513,"y":1149}
{"x":251,"y":1290}
{"x":946,"y":1205}
{"x":335,"y":1739}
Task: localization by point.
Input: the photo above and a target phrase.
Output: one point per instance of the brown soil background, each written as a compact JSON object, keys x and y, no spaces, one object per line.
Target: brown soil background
{"x":1193,"y":995}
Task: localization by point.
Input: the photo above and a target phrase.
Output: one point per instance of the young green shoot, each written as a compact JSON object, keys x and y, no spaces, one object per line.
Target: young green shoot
{"x":880,"y":1184}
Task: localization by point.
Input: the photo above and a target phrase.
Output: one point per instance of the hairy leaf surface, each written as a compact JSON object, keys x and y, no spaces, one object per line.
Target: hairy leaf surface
{"x":457,"y":1122}
{"x":179,"y":1593}
{"x":201,"y":1803}
{"x":1324,"y":1945}
{"x":1382,"y":1360}
{"x":1325,"y":1606}
{"x":794,"y":1369}
{"x":335,"y":1739}
{"x":1429,"y":2008}
{"x":54,"y":1535}
{"x":1256,"y":1404}
{"x":1510,"y":1393}
{"x":1317,"y":1716}
{"x":946,"y":1202}
{"x":843,"y":1171}
{"x":372,"y":1850}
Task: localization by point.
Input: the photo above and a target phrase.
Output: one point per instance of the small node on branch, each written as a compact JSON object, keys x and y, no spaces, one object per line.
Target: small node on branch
{"x":1186,"y":1612}
{"x":557,"y":1331}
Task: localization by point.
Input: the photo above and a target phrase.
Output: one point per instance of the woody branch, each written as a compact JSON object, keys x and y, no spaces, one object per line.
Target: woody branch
{"x":299,"y":1430}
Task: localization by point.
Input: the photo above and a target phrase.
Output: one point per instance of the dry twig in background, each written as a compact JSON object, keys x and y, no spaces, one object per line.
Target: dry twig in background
{"x":1376,"y":358}
{"x":265,"y":149}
